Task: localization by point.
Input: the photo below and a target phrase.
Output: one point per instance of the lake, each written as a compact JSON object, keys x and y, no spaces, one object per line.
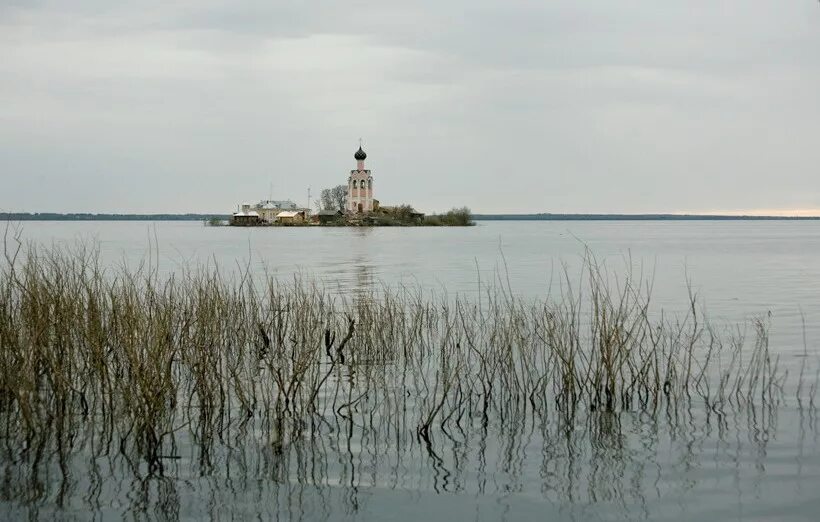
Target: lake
{"x":739,"y":269}
{"x":755,"y":463}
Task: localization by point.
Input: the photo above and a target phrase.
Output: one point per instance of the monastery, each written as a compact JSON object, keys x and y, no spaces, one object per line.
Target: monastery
{"x":360,"y":208}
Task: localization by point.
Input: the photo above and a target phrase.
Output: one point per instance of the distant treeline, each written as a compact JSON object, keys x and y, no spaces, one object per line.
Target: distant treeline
{"x":628,"y":217}
{"x":81,"y":216}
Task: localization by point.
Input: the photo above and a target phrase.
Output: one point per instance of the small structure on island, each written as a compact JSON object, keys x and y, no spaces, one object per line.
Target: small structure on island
{"x":329,"y":216}
{"x":246,"y":217}
{"x":404,"y":213}
{"x":360,"y":187}
{"x":290,"y":217}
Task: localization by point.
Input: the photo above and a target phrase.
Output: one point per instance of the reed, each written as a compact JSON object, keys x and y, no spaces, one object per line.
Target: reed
{"x":125,"y":361}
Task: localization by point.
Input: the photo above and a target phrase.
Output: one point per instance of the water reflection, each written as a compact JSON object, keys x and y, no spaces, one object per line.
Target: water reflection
{"x":361,"y":462}
{"x":352,"y":271}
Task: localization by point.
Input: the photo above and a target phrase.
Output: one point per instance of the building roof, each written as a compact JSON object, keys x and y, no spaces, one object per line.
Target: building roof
{"x":289,"y":214}
{"x":246,"y":214}
{"x":330,"y":212}
{"x":272,"y":204}
{"x":360,"y":154}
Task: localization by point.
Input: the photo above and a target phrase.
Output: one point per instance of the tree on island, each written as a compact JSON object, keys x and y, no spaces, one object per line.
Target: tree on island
{"x":334,"y":198}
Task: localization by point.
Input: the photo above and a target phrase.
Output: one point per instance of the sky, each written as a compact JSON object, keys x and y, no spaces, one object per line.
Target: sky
{"x":512,"y":106}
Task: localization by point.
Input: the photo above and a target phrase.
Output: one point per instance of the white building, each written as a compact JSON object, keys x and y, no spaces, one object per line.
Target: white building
{"x":269,"y":209}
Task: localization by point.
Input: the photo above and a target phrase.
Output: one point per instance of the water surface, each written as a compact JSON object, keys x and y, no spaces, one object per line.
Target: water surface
{"x":750,"y":464}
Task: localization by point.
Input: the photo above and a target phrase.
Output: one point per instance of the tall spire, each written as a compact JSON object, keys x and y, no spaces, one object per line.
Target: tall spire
{"x":360,"y":154}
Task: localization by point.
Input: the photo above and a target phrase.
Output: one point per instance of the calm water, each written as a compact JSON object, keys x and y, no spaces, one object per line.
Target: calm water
{"x":738,"y":269}
{"x":752,"y":465}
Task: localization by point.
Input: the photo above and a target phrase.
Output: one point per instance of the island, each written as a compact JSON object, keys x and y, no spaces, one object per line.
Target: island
{"x":352,"y":204}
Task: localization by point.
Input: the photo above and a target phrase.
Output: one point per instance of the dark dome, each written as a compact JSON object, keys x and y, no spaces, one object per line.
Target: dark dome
{"x":360,"y":154}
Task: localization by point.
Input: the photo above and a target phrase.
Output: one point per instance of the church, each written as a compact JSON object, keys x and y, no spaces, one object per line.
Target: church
{"x":360,"y":187}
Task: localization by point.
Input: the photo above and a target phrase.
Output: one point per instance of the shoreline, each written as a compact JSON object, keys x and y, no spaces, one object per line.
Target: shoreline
{"x":636,"y":217}
{"x":475,"y":217}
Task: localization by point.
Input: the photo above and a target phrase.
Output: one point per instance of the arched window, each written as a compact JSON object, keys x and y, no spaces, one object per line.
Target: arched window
{"x":354,"y":183}
{"x":370,"y":183}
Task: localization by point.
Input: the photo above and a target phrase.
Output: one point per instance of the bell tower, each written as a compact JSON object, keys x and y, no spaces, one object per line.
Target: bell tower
{"x":360,"y":186}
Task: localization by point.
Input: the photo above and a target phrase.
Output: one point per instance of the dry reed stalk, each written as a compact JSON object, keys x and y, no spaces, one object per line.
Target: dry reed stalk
{"x":138,"y":359}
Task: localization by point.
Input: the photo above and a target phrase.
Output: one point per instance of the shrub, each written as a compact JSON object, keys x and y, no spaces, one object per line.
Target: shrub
{"x":456,"y":217}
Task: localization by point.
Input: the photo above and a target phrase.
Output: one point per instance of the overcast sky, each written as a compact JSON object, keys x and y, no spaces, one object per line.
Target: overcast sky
{"x":503,"y":106}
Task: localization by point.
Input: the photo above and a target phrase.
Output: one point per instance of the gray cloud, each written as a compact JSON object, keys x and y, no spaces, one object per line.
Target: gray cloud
{"x":514,"y":106}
